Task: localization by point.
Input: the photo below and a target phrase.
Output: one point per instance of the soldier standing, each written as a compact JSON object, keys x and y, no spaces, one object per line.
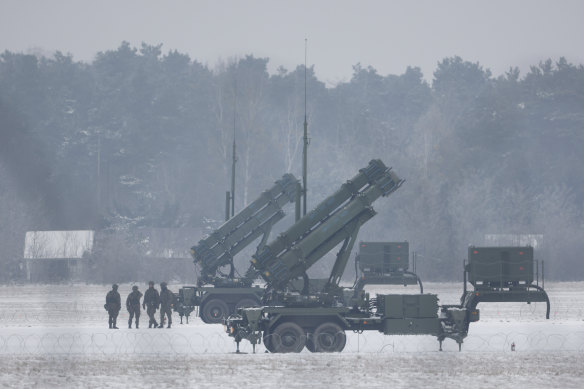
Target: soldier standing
{"x":133,"y":305}
{"x":113,"y":305}
{"x":151,"y":302}
{"x":166,"y":303}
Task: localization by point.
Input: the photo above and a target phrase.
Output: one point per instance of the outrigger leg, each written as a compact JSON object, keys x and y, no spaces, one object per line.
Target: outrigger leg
{"x":237,"y":351}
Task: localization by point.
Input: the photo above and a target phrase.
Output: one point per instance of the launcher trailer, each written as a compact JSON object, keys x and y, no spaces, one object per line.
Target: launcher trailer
{"x":290,"y":321}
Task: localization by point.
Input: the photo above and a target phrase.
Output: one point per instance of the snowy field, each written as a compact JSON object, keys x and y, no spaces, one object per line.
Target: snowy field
{"x":57,"y":336}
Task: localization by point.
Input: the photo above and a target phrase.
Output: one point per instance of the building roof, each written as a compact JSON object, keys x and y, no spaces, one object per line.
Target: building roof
{"x":533,"y":240}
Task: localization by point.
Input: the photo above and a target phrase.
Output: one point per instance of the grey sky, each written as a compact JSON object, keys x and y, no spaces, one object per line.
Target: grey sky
{"x":388,"y":35}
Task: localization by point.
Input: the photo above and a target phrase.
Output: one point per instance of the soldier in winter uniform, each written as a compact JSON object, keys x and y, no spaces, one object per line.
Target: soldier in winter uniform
{"x":113,"y":305}
{"x":133,"y":305}
{"x":166,"y":303}
{"x":150,"y":303}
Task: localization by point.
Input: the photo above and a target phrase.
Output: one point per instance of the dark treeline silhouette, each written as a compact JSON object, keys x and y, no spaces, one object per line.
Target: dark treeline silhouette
{"x":142,"y":139}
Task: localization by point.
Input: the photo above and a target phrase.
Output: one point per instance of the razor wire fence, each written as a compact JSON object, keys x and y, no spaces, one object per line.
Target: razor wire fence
{"x":78,"y":313}
{"x":156,"y":343}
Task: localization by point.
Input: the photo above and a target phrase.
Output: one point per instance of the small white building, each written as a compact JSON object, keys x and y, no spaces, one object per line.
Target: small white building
{"x":533,"y":240}
{"x":57,"y":255}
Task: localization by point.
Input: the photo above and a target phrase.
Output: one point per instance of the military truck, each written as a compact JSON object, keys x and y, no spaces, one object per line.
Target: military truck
{"x":290,"y":321}
{"x":219,"y":291}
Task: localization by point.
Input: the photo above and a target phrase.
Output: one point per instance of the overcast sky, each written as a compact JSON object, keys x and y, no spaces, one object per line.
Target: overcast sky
{"x":388,"y":35}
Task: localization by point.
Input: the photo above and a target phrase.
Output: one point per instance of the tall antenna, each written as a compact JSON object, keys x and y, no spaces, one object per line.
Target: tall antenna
{"x":234,"y":160}
{"x":305,"y":150}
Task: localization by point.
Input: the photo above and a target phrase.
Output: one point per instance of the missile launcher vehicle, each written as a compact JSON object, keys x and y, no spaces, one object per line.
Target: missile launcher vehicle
{"x":218,"y":293}
{"x":289,"y":321}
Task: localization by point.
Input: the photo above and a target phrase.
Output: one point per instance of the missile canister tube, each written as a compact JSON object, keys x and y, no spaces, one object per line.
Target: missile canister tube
{"x":286,"y":186}
{"x":239,"y":231}
{"x":296,"y":257}
{"x":374,"y":171}
{"x":278,"y":275}
{"x":240,"y":245}
{"x":278,"y":270}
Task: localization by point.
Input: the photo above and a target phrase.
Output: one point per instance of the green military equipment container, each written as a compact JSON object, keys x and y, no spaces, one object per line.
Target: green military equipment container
{"x":384,"y":263}
{"x":500,"y":266}
{"x":404,"y":314}
{"x":502,"y":274}
{"x":412,"y":327}
{"x":383,"y":257}
{"x":401,"y":306}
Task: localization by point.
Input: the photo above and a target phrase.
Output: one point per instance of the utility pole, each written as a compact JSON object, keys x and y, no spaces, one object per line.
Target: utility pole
{"x":305,"y":149}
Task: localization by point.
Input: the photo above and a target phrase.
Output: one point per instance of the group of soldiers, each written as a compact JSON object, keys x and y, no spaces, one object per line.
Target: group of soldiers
{"x":152,"y":301}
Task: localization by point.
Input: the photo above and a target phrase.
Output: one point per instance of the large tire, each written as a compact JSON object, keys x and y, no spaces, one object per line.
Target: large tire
{"x":329,"y":337}
{"x":287,"y":337}
{"x":214,"y":311}
{"x":267,"y":339}
{"x":246,"y":303}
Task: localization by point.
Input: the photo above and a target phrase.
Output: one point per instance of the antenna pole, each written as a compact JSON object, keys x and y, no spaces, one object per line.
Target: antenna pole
{"x":234,"y":160}
{"x":305,"y":150}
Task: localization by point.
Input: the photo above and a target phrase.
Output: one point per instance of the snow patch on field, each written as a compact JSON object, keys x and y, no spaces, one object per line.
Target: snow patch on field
{"x":411,"y":370}
{"x":57,"y":336}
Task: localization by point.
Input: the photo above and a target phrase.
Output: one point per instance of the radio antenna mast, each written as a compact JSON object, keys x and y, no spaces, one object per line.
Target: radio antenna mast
{"x":305,"y":150}
{"x":234,"y":160}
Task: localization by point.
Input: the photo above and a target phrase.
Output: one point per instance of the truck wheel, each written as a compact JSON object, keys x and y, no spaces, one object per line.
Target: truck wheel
{"x":329,"y":337}
{"x":246,"y":303}
{"x":288,"y":337}
{"x":214,"y":311}
{"x":267,"y":339}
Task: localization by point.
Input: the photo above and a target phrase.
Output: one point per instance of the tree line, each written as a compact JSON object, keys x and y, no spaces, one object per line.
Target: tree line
{"x":139,"y":138}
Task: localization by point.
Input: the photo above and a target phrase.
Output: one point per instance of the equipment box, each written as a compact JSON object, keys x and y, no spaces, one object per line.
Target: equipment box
{"x":399,"y":306}
{"x":493,"y":265}
{"x":188,"y":296}
{"x":383,"y":257}
{"x":429,"y":326}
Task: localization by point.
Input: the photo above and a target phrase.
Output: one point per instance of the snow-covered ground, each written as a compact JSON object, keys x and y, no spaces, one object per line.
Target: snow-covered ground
{"x":57,"y":336}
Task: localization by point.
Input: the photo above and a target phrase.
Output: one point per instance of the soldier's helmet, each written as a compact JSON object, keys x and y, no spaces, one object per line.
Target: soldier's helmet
{"x":163,"y":284}
{"x":135,"y":287}
{"x":115,"y":286}
{"x":151,"y":283}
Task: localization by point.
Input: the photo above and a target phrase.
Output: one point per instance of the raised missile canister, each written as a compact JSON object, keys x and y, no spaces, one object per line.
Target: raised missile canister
{"x":251,"y":222}
{"x":303,"y":254}
{"x":285,"y":186}
{"x":374,"y":171}
{"x":293,"y":264}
